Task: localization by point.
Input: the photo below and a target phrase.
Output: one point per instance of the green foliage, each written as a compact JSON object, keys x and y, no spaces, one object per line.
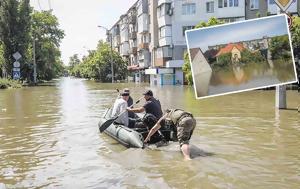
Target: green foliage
{"x":97,"y":65}
{"x":7,"y":83}
{"x":223,"y":60}
{"x":47,"y":35}
{"x":248,"y":57}
{"x":295,"y":33}
{"x":15,"y":24}
{"x":2,"y":60}
{"x":186,"y":66}
{"x":280,"y":47}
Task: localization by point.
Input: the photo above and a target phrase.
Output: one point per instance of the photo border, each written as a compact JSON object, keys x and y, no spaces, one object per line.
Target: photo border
{"x":244,"y":90}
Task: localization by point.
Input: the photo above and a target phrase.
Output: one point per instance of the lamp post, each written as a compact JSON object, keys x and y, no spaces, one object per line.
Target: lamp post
{"x":111,"y":51}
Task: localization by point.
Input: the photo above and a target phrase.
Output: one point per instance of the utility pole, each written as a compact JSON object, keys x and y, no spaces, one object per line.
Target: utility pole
{"x":111,"y":51}
{"x":34,"y":62}
{"x":111,"y":58}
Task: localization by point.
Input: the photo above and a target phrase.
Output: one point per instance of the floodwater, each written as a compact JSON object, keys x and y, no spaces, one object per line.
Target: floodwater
{"x":237,"y":78}
{"x":50,"y":139}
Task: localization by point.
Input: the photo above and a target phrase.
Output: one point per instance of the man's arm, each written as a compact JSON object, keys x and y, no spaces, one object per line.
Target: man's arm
{"x":136,"y":110}
{"x":155,"y":128}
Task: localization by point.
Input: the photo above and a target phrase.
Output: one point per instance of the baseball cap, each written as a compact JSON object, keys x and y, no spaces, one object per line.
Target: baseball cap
{"x":148,"y":92}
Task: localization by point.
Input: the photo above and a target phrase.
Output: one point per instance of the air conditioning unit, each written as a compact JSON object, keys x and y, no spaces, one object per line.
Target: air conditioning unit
{"x":170,"y":12}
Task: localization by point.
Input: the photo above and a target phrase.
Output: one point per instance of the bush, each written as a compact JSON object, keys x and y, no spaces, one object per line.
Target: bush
{"x":7,"y":83}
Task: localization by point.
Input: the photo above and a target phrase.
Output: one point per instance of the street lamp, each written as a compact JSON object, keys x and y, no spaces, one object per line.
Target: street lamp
{"x":111,"y":51}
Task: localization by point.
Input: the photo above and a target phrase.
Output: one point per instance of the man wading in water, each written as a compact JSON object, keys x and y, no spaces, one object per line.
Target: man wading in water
{"x":184,"y":124}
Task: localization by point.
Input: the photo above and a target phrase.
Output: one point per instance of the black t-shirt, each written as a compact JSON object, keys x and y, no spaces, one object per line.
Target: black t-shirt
{"x":129,"y":103}
{"x":153,"y":106}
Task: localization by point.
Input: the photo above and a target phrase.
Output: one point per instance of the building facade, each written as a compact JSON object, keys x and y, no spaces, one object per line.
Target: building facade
{"x":151,"y":35}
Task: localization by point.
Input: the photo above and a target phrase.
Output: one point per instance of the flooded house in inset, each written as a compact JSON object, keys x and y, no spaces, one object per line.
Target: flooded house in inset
{"x":202,"y":71}
{"x":234,"y":48}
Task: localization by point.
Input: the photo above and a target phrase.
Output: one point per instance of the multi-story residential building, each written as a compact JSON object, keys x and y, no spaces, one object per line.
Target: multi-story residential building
{"x":143,"y":40}
{"x":169,"y":20}
{"x":151,"y":35}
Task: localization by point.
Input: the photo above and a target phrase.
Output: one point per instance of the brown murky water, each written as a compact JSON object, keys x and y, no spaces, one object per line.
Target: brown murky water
{"x":49,"y":139}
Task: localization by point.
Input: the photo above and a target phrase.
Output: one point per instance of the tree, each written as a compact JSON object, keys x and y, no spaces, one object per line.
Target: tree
{"x":14,"y":30}
{"x":47,"y":37}
{"x":2,"y":61}
{"x":280,"y":47}
{"x":186,"y":66}
{"x":295,"y":33}
{"x":97,"y":65}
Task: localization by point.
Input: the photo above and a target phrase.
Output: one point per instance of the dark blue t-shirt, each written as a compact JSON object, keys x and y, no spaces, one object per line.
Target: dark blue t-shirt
{"x":153,"y":106}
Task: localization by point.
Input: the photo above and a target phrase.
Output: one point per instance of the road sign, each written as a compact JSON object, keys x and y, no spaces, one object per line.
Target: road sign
{"x":16,"y":69}
{"x":16,"y":74}
{"x":283,"y":4}
{"x":16,"y":64}
{"x":290,"y":20}
{"x":17,"y":55}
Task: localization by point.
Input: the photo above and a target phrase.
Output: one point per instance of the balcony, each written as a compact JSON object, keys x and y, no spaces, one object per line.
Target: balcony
{"x":164,"y":20}
{"x":132,"y":19}
{"x":160,"y":2}
{"x":144,"y":46}
{"x":124,"y":49}
{"x":116,"y":41}
{"x":142,"y":7}
{"x":143,"y":25}
{"x":165,"y":41}
{"x":132,"y":35}
{"x":133,"y":50}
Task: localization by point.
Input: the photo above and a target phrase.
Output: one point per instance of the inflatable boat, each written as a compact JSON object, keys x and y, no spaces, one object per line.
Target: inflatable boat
{"x":134,"y":137}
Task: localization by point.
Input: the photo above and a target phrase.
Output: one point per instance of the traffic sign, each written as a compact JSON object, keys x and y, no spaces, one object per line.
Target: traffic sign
{"x":283,"y":4}
{"x":16,"y":74}
{"x":16,"y":64}
{"x":17,"y":55}
{"x":16,"y":69}
{"x":290,"y":20}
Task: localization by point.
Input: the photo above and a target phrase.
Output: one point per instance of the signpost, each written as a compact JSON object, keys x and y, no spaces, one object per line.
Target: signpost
{"x":280,"y":96}
{"x":283,"y":4}
{"x":16,"y":70}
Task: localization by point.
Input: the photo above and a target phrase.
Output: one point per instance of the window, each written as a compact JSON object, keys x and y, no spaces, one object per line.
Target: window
{"x":254,"y":4}
{"x":164,"y":52}
{"x":236,"y":3}
{"x":165,"y":31}
{"x":220,"y":4}
{"x":210,"y":6}
{"x":230,"y":3}
{"x":184,"y":28}
{"x":188,"y":8}
{"x":163,"y":9}
{"x":225,"y":3}
{"x":271,"y":2}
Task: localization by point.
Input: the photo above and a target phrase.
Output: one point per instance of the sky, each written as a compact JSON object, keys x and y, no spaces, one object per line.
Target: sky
{"x":271,"y":26}
{"x":80,"y":18}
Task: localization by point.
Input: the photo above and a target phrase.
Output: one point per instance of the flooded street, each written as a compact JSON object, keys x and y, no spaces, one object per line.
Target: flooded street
{"x":50,"y":139}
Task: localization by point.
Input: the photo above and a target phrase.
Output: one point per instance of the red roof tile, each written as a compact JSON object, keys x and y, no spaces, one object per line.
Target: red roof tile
{"x":228,"y":48}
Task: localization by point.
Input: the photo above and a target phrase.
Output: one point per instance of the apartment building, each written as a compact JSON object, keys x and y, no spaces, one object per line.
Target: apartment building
{"x":151,"y":35}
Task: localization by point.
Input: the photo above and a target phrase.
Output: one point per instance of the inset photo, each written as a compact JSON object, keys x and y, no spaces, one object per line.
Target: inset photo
{"x":241,"y":56}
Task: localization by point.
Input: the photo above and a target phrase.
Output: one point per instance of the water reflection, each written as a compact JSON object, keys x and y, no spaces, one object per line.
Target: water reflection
{"x":242,"y":77}
{"x":49,"y":139}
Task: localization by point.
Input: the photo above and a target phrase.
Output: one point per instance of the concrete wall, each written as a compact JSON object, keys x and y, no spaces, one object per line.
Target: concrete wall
{"x":262,"y":9}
